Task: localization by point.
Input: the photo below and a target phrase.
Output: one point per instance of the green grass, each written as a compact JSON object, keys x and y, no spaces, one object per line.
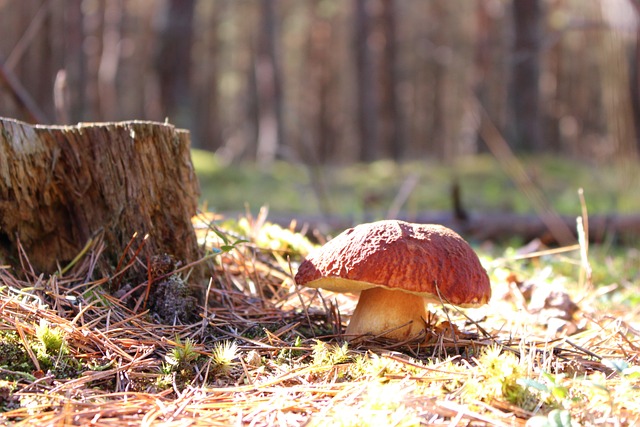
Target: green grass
{"x":369,"y":189}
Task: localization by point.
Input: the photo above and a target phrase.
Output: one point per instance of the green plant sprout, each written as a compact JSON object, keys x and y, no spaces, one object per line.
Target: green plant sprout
{"x":227,"y":246}
{"x":51,"y":339}
{"x":553,"y":386}
{"x":182,"y":355}
{"x":288,"y":352}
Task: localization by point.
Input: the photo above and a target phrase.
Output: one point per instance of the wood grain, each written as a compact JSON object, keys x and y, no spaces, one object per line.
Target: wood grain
{"x":62,"y":185}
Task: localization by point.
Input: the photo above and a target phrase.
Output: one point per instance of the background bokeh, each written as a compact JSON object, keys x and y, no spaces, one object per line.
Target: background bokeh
{"x":317,"y":84}
{"x":334,"y":80}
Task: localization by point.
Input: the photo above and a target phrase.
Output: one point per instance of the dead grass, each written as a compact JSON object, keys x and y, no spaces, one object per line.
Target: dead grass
{"x":509,"y":363}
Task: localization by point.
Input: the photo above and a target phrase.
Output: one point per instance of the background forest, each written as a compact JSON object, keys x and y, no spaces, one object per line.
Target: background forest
{"x":487,"y":116}
{"x":317,"y":82}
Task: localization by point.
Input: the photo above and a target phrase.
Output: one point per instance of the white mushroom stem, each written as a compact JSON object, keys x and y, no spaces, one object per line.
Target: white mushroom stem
{"x":392,"y":314}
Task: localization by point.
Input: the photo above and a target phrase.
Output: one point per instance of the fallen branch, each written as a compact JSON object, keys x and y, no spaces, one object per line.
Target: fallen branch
{"x":618,"y":228}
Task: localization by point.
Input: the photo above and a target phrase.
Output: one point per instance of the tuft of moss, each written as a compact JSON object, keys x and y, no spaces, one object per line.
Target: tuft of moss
{"x":14,"y":356}
{"x":51,"y":339}
{"x":330,"y":354}
{"x":182,"y":355}
{"x":499,"y":375}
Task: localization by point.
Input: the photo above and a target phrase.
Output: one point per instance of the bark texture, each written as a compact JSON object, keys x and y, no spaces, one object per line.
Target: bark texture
{"x":62,"y":185}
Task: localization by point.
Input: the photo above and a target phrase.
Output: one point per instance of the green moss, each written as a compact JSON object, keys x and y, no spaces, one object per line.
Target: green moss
{"x":51,"y":339}
{"x":8,"y":399}
{"x":14,"y":356}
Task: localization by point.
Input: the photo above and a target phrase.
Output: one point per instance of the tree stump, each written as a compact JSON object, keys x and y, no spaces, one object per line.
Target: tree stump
{"x":62,"y":185}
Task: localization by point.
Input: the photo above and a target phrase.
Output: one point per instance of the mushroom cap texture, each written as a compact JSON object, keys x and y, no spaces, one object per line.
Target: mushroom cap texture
{"x":415,"y":258}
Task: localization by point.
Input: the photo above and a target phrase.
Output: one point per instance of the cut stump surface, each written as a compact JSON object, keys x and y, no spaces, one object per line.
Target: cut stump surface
{"x":62,"y":185}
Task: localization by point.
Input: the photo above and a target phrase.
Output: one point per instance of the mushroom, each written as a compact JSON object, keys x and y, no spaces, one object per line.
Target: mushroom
{"x":397,"y":266}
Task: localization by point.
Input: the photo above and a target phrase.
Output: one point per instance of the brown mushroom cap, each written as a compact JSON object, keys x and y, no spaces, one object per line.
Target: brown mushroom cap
{"x":397,"y":255}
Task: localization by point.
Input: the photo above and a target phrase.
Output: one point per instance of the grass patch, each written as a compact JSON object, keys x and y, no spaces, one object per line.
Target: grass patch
{"x":368,"y":190}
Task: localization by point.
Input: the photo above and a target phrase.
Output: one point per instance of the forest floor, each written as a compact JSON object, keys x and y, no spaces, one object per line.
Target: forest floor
{"x":382,"y":188}
{"x":558,"y":344}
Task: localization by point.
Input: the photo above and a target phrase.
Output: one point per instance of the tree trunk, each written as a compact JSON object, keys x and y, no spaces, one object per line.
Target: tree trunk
{"x":112,"y":35}
{"x":62,"y":185}
{"x":74,"y":64}
{"x":525,"y":68}
{"x":391,"y":120}
{"x":634,"y":77}
{"x":320,"y":98}
{"x":174,"y":61}
{"x":208,"y":130}
{"x":440,"y":144}
{"x":366,"y":96}
{"x":488,"y":82}
{"x":269,"y":87}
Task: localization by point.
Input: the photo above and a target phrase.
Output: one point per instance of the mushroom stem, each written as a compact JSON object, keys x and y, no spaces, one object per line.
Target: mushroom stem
{"x":383,"y":312}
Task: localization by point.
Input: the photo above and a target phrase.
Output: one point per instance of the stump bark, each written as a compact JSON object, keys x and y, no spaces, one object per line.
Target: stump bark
{"x":62,"y":185}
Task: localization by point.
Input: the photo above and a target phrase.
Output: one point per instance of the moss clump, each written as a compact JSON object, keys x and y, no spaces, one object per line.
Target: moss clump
{"x":14,"y":356}
{"x":499,"y":375}
{"x":8,"y":400}
{"x":51,"y":339}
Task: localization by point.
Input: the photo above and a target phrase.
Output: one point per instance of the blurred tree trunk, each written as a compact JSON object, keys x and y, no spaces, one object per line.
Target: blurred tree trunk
{"x":488,"y":79}
{"x":144,"y":97}
{"x":269,"y":87}
{"x":437,"y":137}
{"x":365,"y":88}
{"x":173,"y":61}
{"x":391,"y":118}
{"x":207,"y":76}
{"x":37,"y":30}
{"x":634,"y":76}
{"x":318,"y":97}
{"x":617,"y":90}
{"x":110,"y":60}
{"x":554,"y":60}
{"x":94,"y":19}
{"x":75,"y":71}
{"x":419,"y":109}
{"x":524,"y":96}
{"x":251,"y":110}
